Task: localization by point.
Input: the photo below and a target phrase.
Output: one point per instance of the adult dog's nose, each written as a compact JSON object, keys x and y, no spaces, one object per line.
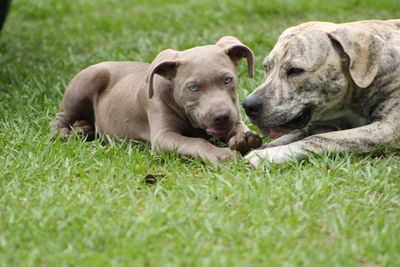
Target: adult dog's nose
{"x":252,"y":105}
{"x":221,"y":117}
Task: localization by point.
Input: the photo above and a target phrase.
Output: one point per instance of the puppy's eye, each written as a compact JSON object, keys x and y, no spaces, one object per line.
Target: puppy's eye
{"x":227,"y":80}
{"x":294,"y":71}
{"x":193,"y":88}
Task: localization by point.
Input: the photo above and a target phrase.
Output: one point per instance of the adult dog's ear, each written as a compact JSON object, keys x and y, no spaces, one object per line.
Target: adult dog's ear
{"x":364,"y":50}
{"x":165,"y":64}
{"x":236,"y":51}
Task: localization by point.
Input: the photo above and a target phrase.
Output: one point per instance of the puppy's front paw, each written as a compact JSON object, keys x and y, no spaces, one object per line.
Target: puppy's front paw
{"x":219,"y":154}
{"x":244,"y":142}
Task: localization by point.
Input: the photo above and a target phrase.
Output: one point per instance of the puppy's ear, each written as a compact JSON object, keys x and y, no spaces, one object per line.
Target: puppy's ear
{"x":236,"y":51}
{"x":165,"y":64}
{"x":364,"y":50}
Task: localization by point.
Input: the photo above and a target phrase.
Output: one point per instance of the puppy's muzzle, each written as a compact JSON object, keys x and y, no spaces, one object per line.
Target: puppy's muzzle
{"x":221,"y":117}
{"x":220,"y":123}
{"x":252,"y":106}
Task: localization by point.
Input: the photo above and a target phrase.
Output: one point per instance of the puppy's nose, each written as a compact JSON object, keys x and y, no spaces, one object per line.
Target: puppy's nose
{"x":252,"y":105}
{"x":221,"y":116}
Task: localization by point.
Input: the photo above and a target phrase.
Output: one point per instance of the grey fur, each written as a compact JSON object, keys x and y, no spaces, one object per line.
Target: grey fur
{"x":153,"y":102}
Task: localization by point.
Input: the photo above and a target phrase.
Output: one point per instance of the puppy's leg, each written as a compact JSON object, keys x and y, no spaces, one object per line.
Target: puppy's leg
{"x":358,"y":139}
{"x":169,"y":141}
{"x":166,"y":135}
{"x":77,"y":107}
{"x":243,"y":140}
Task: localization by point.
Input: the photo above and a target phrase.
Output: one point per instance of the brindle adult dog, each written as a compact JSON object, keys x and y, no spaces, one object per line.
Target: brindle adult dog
{"x":176,"y":102}
{"x":329,"y":87}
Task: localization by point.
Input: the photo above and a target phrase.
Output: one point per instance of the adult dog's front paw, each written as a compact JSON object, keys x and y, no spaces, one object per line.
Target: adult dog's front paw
{"x":277,"y":154}
{"x":255,"y":157}
{"x":244,"y":142}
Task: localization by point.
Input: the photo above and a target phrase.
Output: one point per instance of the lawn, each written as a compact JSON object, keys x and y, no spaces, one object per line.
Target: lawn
{"x":86,"y":204}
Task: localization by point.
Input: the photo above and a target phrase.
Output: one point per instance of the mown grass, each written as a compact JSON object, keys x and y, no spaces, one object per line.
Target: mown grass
{"x":87,"y":204}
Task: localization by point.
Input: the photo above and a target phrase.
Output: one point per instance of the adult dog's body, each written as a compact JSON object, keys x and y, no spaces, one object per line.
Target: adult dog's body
{"x":192,"y":97}
{"x":334,"y":87}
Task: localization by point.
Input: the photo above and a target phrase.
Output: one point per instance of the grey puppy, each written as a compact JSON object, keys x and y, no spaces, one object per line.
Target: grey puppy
{"x":176,"y":102}
{"x":329,"y":87}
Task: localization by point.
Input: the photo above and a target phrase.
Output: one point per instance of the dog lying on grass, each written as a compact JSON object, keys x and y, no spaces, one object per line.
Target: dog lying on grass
{"x":176,"y":102}
{"x":329,"y":87}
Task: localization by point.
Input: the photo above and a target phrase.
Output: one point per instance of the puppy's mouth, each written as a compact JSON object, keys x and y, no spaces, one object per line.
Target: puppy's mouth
{"x":220,"y":132}
{"x":299,"y":122}
{"x":217,"y":132}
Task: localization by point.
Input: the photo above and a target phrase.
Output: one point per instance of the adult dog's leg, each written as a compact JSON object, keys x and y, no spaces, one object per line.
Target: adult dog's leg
{"x":357,"y":139}
{"x":385,"y":131}
{"x":296,"y":135}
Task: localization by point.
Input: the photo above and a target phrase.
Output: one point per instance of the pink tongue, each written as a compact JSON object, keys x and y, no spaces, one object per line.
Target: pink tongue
{"x":275,"y":133}
{"x":216,"y":132}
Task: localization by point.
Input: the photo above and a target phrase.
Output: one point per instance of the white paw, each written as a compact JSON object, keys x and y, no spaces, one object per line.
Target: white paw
{"x":277,"y":154}
{"x":256,"y":156}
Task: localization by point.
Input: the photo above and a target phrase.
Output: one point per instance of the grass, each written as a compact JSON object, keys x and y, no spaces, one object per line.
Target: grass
{"x":76,"y":203}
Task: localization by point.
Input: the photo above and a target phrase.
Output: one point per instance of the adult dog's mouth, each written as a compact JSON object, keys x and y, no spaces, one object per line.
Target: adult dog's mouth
{"x":298,"y":122}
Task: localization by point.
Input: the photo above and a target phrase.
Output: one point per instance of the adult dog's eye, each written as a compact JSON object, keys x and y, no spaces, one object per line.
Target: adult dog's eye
{"x":193,"y":88}
{"x":294,"y":71}
{"x":227,"y":80}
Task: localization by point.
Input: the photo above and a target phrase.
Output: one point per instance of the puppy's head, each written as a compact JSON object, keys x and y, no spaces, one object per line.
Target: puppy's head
{"x":309,"y":73}
{"x":204,"y":83}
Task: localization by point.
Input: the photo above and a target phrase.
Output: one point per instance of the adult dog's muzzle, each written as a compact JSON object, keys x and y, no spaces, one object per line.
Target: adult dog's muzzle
{"x":252,"y":106}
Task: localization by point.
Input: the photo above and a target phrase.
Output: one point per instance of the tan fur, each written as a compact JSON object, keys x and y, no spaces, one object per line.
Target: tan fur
{"x":329,"y":87}
{"x":153,"y":102}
